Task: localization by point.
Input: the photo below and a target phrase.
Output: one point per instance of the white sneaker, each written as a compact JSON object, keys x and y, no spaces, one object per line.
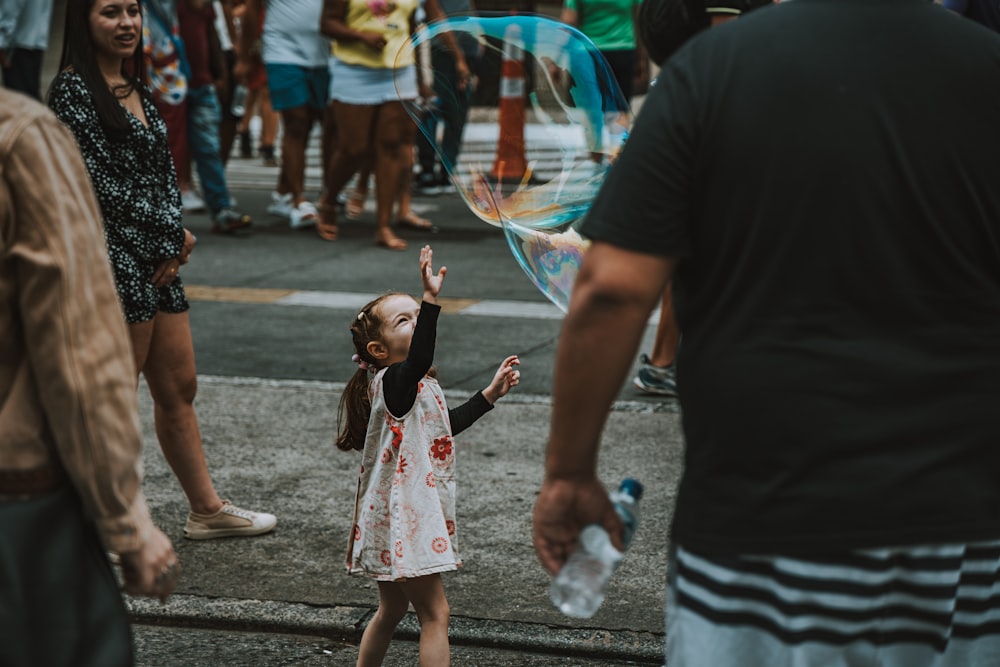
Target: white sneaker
{"x":191,"y":202}
{"x":230,"y":521}
{"x":303,"y":215}
{"x":281,"y":205}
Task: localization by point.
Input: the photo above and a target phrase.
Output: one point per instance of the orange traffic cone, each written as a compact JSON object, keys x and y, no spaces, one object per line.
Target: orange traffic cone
{"x":511,"y":161}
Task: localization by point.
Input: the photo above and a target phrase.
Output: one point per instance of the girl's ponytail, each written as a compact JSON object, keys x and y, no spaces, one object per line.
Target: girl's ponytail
{"x":355,"y":403}
{"x":355,"y":409}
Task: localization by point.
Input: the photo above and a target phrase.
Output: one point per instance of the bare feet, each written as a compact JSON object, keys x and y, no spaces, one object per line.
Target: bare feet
{"x":326,"y":221}
{"x":356,"y":205}
{"x":413,"y":221}
{"x":386,"y":239}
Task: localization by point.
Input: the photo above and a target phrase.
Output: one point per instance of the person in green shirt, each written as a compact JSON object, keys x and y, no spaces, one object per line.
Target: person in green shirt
{"x":611,"y":26}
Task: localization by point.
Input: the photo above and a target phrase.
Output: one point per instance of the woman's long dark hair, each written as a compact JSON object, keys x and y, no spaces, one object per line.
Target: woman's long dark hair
{"x":79,"y":54}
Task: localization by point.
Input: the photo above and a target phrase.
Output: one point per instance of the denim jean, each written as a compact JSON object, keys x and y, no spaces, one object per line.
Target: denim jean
{"x":452,"y":110}
{"x":204,"y":116}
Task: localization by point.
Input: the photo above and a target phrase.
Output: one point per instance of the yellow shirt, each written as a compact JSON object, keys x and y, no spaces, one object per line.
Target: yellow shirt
{"x":390,"y":18}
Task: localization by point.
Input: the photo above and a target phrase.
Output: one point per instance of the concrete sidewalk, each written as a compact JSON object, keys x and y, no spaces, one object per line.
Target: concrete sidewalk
{"x":284,"y":599}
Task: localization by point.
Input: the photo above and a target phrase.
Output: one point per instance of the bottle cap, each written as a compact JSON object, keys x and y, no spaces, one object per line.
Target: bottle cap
{"x":632,"y":487}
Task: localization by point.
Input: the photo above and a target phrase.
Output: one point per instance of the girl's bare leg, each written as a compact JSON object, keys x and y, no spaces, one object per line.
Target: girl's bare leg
{"x":392,"y":606}
{"x":426,"y":594}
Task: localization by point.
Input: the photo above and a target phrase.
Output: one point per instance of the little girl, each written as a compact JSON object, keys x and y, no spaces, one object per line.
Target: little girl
{"x":403,"y":532}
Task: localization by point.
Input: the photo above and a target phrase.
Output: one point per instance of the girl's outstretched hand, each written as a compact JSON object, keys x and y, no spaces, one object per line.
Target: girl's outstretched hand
{"x":507,"y":376}
{"x":432,"y":281}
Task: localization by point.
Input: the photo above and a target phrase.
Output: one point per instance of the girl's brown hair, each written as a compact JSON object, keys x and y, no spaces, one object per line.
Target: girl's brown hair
{"x":355,"y":404}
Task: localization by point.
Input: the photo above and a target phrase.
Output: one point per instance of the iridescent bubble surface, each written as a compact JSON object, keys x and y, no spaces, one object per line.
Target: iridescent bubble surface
{"x":551,"y":258}
{"x":558,"y":121}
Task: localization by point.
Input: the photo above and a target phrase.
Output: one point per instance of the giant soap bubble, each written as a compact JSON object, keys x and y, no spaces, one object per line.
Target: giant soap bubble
{"x":558,"y":122}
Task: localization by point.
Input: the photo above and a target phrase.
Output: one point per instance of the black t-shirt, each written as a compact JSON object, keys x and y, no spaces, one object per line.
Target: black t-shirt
{"x":827,"y":172}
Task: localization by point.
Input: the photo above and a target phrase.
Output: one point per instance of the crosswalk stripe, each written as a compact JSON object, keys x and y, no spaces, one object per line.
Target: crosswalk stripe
{"x":353,"y":301}
{"x":546,"y":153}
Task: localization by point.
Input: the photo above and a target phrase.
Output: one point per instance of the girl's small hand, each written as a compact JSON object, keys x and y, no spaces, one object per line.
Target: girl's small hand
{"x":432,"y":281}
{"x":507,"y":376}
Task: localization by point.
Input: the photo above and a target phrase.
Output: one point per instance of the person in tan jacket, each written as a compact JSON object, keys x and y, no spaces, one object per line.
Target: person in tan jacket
{"x":70,"y":444}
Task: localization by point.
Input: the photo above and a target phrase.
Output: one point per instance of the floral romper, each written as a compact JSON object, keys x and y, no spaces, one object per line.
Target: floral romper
{"x":136,"y":187}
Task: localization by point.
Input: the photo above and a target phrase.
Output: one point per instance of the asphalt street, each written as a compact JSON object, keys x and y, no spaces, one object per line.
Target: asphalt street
{"x":269,"y":317}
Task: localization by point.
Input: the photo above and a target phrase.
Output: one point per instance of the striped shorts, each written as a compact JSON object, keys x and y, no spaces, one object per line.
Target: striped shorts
{"x":922,"y":606}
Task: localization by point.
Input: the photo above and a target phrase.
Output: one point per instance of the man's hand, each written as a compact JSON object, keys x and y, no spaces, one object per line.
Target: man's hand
{"x":507,"y":376}
{"x":152,"y":571}
{"x":564,"y":507}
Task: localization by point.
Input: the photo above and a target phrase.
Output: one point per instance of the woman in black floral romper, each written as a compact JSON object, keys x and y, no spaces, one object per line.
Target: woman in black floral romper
{"x":123,"y":139}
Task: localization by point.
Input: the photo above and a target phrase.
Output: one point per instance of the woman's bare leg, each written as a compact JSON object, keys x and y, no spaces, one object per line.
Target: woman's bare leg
{"x":166,"y":353}
{"x":393,"y":137}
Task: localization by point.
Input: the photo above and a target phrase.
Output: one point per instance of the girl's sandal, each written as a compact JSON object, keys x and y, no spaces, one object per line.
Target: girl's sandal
{"x":390,"y":241}
{"x":356,"y":205}
{"x":327,"y":230}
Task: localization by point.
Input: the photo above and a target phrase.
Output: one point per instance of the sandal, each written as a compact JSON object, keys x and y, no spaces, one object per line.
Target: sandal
{"x":390,"y":241}
{"x":327,"y":230}
{"x":414,"y":221}
{"x":356,"y":205}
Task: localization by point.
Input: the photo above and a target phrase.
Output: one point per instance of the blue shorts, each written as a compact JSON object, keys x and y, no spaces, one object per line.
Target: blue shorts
{"x":294,"y":86}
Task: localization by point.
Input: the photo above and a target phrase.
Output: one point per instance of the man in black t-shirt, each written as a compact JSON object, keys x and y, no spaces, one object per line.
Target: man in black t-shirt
{"x":822,"y":191}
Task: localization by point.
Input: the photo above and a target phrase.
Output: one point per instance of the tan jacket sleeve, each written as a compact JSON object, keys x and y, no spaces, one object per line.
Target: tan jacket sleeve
{"x":77,"y":344}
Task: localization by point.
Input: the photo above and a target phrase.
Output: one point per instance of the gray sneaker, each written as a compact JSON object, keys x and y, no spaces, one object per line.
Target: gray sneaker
{"x":654,"y":379}
{"x":230,"y":521}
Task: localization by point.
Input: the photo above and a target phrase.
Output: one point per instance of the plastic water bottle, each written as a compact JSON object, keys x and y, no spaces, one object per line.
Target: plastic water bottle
{"x":238,"y":106}
{"x":579,"y":588}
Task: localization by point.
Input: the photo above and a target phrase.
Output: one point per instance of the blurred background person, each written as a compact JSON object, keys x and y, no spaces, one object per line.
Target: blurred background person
{"x":206,"y":62}
{"x":225,"y":28}
{"x":24,"y":37}
{"x":258,"y":102}
{"x":449,"y":101}
{"x":296,"y":58}
{"x":611,"y":26}
{"x":370,"y":87}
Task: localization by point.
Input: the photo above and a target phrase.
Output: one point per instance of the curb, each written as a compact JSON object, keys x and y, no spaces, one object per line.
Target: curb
{"x":346,"y":623}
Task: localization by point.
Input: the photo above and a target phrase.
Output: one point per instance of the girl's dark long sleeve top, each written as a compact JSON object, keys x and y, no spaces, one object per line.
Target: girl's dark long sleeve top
{"x":401,"y":379}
